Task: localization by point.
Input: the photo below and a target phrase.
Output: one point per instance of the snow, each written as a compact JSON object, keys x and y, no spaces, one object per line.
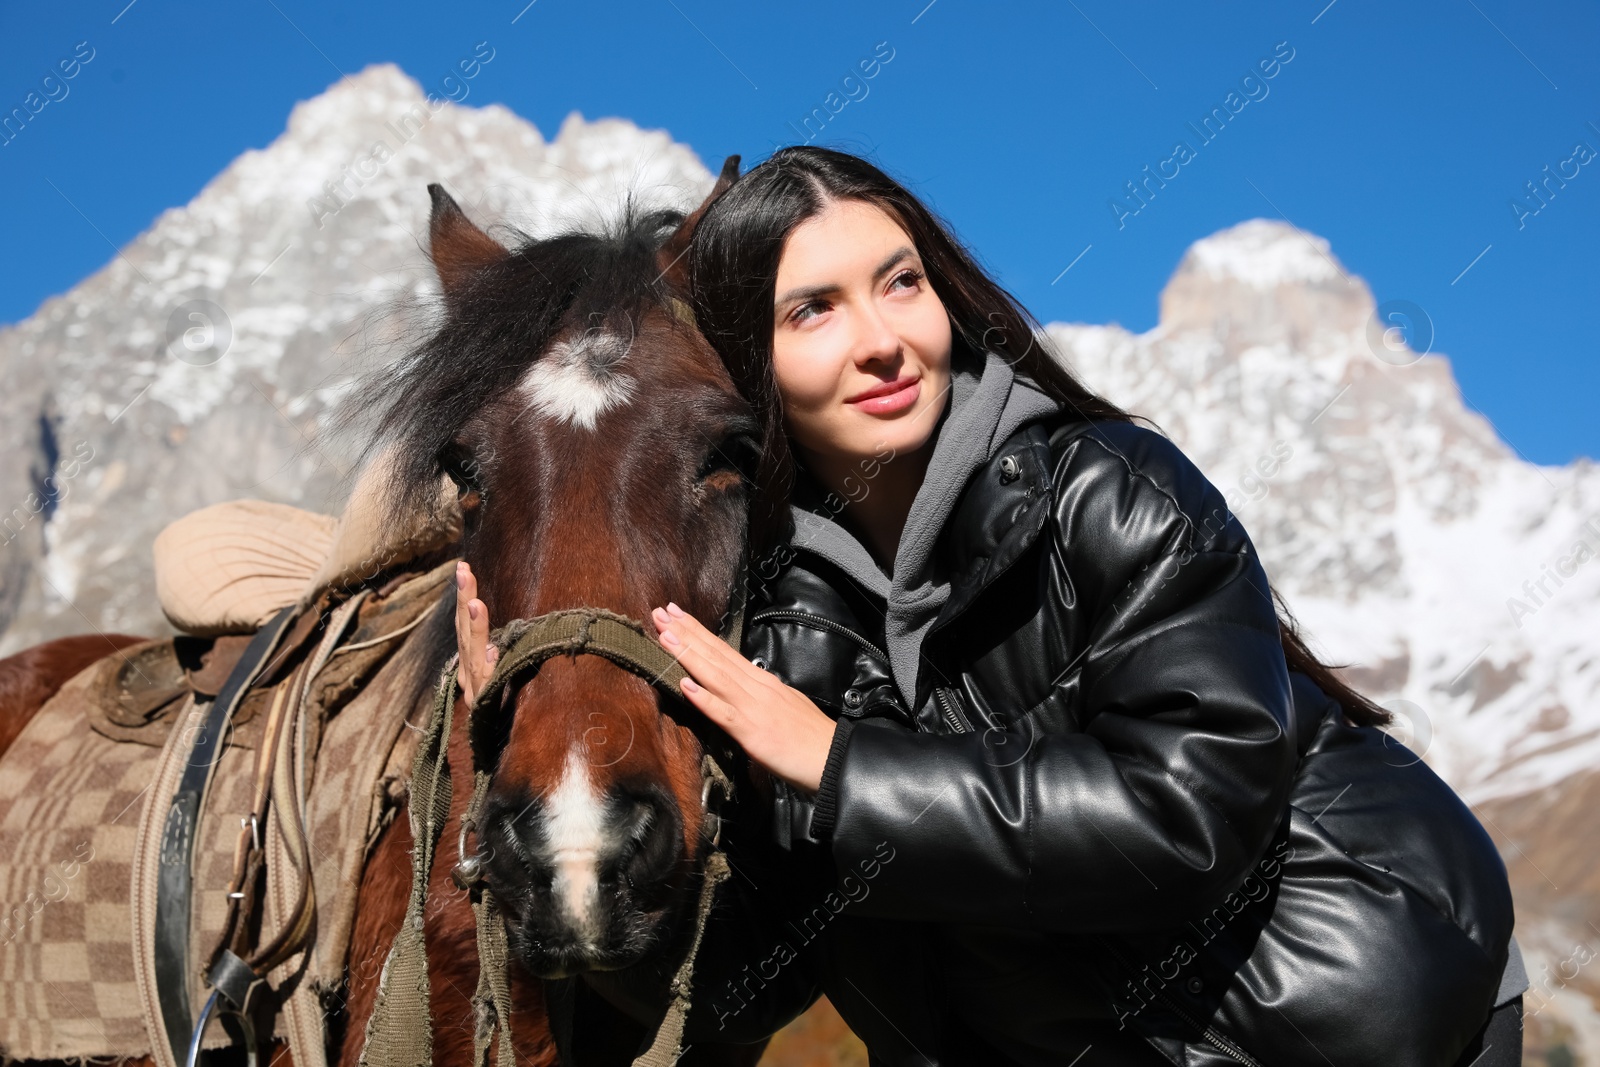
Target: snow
{"x":1266,"y":254}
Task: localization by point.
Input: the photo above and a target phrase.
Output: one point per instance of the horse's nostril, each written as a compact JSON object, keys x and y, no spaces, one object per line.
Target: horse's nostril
{"x":521,"y":835}
{"x":651,"y":840}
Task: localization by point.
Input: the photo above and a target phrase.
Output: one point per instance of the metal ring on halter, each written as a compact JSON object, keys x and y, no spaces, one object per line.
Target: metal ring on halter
{"x":467,"y":874}
{"x":212,"y":1006}
{"x":713,"y":818}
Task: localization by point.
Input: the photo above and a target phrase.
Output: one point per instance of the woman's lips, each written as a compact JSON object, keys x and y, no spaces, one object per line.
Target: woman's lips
{"x":890,"y":402}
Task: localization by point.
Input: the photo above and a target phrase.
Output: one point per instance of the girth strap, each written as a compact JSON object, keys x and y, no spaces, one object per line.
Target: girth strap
{"x":175,"y":878}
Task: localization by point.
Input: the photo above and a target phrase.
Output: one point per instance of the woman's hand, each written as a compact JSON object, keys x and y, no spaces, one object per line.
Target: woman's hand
{"x":477,"y":655}
{"x":778,"y":726}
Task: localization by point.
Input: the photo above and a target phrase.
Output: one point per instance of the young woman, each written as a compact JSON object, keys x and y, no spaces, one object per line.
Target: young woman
{"x":1076,"y":792}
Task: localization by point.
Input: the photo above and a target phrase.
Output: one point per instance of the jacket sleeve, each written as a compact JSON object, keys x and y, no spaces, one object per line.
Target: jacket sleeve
{"x":1159,"y":806}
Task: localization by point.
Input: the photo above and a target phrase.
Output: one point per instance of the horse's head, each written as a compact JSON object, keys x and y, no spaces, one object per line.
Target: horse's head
{"x":602,"y":456}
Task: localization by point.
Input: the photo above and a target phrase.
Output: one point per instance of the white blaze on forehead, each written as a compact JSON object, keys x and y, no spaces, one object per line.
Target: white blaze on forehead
{"x":577,"y":379}
{"x":575,"y":829}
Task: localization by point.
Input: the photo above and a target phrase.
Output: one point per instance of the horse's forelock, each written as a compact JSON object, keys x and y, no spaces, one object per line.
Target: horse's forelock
{"x":508,"y":317}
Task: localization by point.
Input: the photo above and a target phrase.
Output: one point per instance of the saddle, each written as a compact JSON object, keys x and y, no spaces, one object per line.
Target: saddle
{"x":306,"y":626}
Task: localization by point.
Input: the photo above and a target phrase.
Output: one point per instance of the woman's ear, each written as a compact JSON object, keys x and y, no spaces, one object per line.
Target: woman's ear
{"x":459,"y":249}
{"x":670,"y":256}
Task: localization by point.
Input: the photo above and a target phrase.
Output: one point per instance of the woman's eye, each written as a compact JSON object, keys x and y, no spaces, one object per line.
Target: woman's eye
{"x":800,"y":314}
{"x":911,"y":276}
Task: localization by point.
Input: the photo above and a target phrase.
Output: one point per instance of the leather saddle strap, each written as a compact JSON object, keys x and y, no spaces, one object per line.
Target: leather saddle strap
{"x":248,"y":853}
{"x":287,"y":796}
{"x":175,"y":875}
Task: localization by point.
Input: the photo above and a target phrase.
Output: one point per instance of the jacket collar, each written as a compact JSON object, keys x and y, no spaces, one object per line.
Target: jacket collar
{"x":1002,"y":511}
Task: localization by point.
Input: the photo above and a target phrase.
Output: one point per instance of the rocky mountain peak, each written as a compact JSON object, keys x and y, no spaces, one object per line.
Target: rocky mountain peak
{"x":202,"y":363}
{"x":1264,"y":282}
{"x":1263,"y":253}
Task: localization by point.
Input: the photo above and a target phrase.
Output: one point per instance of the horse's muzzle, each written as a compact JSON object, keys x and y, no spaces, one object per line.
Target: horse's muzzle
{"x":587,"y":882}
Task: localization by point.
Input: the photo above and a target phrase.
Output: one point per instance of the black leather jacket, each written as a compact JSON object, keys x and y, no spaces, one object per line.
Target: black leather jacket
{"x":1114,"y":825}
{"x":1113,"y":817}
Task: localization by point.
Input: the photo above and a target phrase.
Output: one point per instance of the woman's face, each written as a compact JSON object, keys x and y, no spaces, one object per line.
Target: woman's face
{"x":854,"y":313}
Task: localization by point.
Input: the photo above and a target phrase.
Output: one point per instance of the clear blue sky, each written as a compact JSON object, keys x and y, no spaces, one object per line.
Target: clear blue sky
{"x":1399,"y":131}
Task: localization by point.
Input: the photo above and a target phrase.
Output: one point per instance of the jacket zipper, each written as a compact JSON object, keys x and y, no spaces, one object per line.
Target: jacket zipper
{"x":1213,"y":1037}
{"x":821,"y":623}
{"x":952,"y":714}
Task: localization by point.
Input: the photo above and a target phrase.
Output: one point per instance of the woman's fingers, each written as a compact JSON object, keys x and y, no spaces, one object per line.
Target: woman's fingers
{"x":709,"y":659}
{"x":779,"y":727}
{"x":472,"y":635}
{"x":710,"y":698}
{"x":464,"y":673}
{"x":696,"y":637}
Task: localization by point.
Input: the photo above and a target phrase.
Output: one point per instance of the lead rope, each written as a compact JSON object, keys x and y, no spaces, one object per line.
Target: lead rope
{"x":667,"y":1047}
{"x":399,"y":1032}
{"x":491,"y":1001}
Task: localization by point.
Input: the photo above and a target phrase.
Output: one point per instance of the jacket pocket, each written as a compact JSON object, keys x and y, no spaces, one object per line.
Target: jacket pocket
{"x":842,"y":671}
{"x":838,"y":667}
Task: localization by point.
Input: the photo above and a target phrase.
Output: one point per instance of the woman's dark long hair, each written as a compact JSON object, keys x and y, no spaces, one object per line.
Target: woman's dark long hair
{"x":733,"y":269}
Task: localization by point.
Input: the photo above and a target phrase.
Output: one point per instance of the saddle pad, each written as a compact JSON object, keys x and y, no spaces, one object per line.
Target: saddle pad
{"x":72,"y":800}
{"x":70,"y":807}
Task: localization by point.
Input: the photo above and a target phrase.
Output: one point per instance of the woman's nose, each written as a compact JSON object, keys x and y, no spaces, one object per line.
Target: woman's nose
{"x":877,"y":338}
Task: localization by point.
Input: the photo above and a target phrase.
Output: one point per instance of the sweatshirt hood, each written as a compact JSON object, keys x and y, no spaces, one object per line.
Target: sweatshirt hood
{"x":988,"y":403}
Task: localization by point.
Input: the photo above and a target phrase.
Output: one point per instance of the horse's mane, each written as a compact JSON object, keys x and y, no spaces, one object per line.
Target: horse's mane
{"x":490,"y":331}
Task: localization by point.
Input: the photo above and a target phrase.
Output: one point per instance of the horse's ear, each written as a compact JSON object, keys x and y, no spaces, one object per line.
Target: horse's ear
{"x":670,"y":256}
{"x":458,"y":247}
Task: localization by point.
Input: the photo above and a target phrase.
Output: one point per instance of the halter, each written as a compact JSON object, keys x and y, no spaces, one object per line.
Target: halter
{"x":400,"y":1032}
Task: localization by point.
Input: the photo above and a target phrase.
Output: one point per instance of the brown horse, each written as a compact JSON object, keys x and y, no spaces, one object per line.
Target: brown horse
{"x":32,"y":676}
{"x":602,"y":455}
{"x":601,"y":452}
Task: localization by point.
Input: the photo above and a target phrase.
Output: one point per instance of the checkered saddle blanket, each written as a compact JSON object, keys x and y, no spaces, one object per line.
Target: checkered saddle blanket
{"x":82,"y":810}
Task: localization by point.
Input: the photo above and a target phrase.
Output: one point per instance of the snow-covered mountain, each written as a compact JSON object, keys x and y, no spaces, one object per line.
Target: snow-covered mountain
{"x":1459,"y":581}
{"x":1408,"y":538}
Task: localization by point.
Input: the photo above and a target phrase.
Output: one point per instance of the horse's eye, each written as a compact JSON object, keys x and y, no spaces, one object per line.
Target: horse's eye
{"x":463,"y":469}
{"x":739,"y":453}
